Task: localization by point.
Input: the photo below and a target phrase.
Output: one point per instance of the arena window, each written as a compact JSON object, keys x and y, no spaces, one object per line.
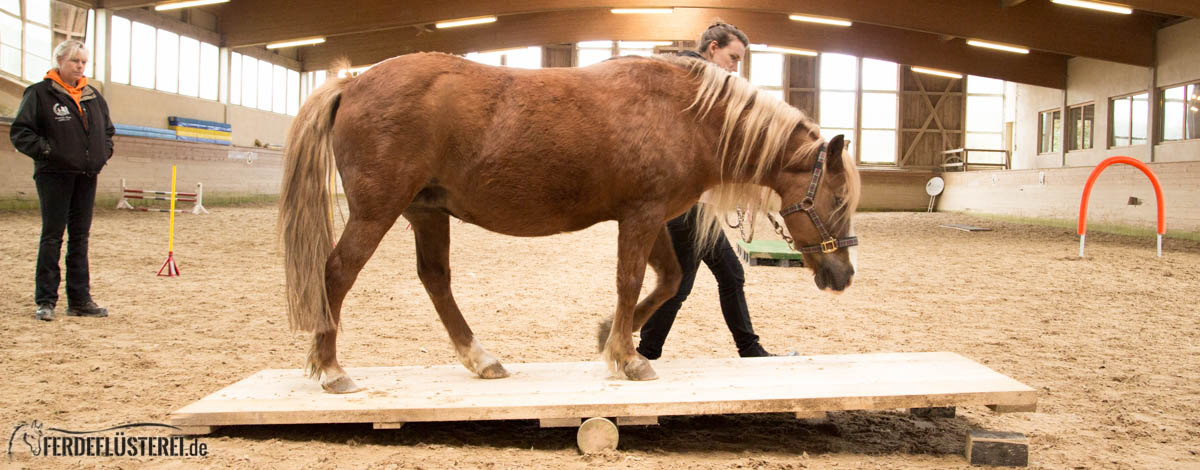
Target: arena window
{"x":148,"y":57}
{"x":1181,"y":112}
{"x":1081,"y":126}
{"x":25,"y":46}
{"x":985,"y":119}
{"x":521,"y":57}
{"x":1050,"y":131}
{"x":1128,"y":117}
{"x":841,"y":92}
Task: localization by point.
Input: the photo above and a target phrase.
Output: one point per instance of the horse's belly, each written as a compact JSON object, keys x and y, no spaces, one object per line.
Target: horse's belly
{"x":509,"y":214}
{"x":524,"y":222}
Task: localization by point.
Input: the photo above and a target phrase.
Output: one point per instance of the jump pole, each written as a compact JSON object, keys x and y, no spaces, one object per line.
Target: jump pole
{"x":169,"y":266}
{"x":1087,"y":194}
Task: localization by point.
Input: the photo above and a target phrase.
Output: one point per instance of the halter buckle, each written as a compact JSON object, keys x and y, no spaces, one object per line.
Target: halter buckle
{"x":829,"y":246}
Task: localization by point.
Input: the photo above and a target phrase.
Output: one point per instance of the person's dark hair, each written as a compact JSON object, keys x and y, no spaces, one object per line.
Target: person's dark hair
{"x":720,"y":32}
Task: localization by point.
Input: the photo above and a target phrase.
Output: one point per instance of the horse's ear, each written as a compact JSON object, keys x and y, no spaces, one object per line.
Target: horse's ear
{"x":833,"y":155}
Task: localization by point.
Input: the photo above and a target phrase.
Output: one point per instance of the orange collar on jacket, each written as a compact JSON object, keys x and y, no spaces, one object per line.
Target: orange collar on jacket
{"x":76,"y":91}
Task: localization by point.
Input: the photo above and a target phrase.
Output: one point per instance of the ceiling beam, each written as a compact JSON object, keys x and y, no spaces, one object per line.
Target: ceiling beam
{"x":1188,"y":8}
{"x":864,"y":40}
{"x":1037,"y":25}
{"x":121,"y":4}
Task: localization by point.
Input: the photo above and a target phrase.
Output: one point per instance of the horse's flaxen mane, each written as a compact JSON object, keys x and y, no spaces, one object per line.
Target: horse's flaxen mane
{"x":763,"y":125}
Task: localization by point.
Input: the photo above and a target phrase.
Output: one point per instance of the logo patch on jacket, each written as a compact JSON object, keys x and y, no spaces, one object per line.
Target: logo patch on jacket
{"x":61,"y":113}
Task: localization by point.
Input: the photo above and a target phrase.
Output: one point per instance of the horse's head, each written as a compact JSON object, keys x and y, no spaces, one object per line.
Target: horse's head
{"x":820,"y":192}
{"x":30,"y":434}
{"x":765,"y":142}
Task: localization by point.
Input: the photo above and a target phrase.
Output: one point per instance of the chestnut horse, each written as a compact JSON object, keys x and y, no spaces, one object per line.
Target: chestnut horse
{"x":539,"y":152}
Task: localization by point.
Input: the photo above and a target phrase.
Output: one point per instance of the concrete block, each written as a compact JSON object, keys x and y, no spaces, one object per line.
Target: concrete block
{"x":1002,"y":449}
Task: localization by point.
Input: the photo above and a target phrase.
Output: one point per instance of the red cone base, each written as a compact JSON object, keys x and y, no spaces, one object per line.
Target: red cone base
{"x":169,"y":269}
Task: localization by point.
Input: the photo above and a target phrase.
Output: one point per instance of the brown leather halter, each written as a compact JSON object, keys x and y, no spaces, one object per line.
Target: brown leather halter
{"x":828,"y":244}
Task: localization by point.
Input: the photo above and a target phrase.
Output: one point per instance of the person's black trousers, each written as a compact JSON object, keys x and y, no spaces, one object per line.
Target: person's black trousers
{"x":66,"y":200}
{"x":727,"y":270}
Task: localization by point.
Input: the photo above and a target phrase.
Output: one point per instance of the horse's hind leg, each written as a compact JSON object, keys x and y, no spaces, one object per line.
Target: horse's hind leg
{"x":432,"y":232}
{"x":634,"y":243}
{"x":666,"y":265}
{"x":358,"y":242}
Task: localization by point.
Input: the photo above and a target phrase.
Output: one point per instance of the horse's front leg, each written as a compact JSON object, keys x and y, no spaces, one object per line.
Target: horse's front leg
{"x":634,"y":243}
{"x":432,"y":232}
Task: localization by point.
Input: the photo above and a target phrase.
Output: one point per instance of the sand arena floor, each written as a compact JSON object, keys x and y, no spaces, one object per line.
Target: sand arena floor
{"x":1112,"y":343}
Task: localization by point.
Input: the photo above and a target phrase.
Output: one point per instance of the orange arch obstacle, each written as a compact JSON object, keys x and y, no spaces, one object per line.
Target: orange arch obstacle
{"x":1087,"y":194}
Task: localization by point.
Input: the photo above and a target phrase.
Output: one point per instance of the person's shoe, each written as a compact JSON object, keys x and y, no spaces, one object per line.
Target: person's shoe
{"x":45,"y":312}
{"x":754,"y":351}
{"x":89,"y":309}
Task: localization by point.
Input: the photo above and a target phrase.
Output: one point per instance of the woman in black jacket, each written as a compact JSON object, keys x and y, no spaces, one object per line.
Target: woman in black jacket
{"x":724,"y":45}
{"x":63,"y":126}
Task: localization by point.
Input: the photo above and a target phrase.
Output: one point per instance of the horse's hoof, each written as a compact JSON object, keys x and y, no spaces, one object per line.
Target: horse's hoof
{"x":494,"y":371}
{"x":639,"y":369}
{"x":341,"y":384}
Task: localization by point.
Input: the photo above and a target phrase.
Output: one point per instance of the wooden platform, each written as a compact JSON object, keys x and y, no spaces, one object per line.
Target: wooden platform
{"x":567,"y":391}
{"x":769,"y":253}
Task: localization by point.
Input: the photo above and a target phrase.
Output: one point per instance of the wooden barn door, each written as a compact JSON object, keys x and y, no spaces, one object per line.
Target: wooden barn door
{"x":931,"y":118}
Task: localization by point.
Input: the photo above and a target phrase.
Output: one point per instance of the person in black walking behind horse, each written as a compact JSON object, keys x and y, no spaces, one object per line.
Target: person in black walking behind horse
{"x":724,"y":45}
{"x":63,"y":126}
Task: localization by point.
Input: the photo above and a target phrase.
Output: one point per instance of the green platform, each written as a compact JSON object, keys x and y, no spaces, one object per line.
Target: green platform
{"x":769,"y":253}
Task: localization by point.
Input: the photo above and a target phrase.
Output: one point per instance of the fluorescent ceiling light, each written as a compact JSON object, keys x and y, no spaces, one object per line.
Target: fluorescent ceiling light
{"x":187,"y":4}
{"x":465,"y":22}
{"x":940,"y":73}
{"x":298,"y":42}
{"x":998,"y":46}
{"x":782,"y":50}
{"x":643,"y":11}
{"x":641,"y":44}
{"x":1109,"y":7}
{"x":820,"y":19}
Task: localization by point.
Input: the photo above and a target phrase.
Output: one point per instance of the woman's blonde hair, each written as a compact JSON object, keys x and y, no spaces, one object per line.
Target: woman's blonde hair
{"x":68,"y":48}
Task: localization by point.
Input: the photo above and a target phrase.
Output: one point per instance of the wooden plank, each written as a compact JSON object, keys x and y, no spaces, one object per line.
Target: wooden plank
{"x":387,"y":425}
{"x":560,"y":422}
{"x":637,"y":420}
{"x":192,"y":430}
{"x":546,"y":391}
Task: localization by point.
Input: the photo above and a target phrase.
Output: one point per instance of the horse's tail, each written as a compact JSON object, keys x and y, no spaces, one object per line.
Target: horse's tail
{"x":305,"y":225}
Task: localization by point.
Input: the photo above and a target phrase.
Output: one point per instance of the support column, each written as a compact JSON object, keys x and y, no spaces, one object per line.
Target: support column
{"x":1152,"y":110}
